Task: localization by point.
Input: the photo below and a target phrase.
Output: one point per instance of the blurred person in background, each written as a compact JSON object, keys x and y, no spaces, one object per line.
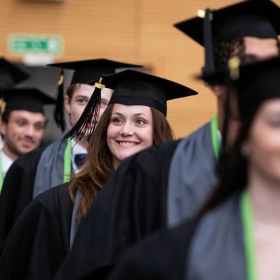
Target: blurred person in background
{"x":236,"y":234}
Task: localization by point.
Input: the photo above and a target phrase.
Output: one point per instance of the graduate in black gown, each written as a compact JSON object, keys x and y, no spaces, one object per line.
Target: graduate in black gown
{"x":134,"y":120}
{"x":168,"y":183}
{"x":47,"y":167}
{"x":237,"y":232}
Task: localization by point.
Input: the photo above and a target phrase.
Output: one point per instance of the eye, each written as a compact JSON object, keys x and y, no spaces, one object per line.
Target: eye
{"x":21,"y":122}
{"x":103,"y":103}
{"x":82,"y":101}
{"x":39,"y":126}
{"x":117,"y":121}
{"x":141,"y":122}
{"x":275,"y":123}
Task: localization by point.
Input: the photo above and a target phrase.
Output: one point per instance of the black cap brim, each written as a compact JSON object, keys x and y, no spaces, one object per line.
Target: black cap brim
{"x":264,"y":8}
{"x":173,"y":90}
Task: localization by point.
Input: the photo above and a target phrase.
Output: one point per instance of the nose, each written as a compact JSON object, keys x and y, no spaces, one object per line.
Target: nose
{"x":29,"y":131}
{"x":127,"y":129}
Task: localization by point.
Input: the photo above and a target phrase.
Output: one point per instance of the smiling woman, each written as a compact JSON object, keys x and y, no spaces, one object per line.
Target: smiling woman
{"x":134,"y":120}
{"x":130,"y":131}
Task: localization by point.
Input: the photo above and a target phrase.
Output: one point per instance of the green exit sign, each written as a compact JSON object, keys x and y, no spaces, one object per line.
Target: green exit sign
{"x":23,"y":44}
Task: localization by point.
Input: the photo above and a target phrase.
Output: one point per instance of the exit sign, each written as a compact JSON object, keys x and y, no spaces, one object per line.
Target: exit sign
{"x":39,"y":44}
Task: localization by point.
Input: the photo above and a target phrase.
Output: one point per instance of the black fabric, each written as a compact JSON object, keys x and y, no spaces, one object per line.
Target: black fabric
{"x":17,"y":191}
{"x":10,"y":74}
{"x":162,"y":256}
{"x":79,"y":159}
{"x":87,"y":70}
{"x":256,"y":18}
{"x":29,"y":99}
{"x":40,"y":239}
{"x":131,"y":205}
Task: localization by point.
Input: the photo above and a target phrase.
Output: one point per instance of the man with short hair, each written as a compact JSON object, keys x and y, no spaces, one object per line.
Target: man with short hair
{"x":22,"y":123}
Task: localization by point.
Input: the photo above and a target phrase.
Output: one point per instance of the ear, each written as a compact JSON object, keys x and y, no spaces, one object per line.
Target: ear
{"x":218,"y":90}
{"x":245,"y":150}
{"x":67,"y":104}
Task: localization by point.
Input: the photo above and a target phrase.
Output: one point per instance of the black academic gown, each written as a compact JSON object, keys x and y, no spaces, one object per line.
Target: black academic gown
{"x":40,"y":239}
{"x":122,"y":214}
{"x":46,"y":165}
{"x":17,"y":191}
{"x":161,"y":256}
{"x":133,"y":203}
{"x":210,"y":247}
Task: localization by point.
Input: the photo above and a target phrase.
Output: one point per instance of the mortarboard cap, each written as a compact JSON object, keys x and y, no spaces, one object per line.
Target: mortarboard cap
{"x":253,"y":83}
{"x":132,"y":88}
{"x":256,"y":83}
{"x":10,"y":74}
{"x":254,"y":18}
{"x":137,"y":88}
{"x":28,"y":99}
{"x":85,"y":70}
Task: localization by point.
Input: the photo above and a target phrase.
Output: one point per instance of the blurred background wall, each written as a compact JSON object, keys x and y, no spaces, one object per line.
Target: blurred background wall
{"x":135,"y":31}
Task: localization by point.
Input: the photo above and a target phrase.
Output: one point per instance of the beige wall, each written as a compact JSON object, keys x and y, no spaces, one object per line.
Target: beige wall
{"x":136,"y":31}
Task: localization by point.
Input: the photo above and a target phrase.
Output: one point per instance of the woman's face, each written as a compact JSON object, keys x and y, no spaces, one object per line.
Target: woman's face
{"x":80,"y":99}
{"x":264,"y":142}
{"x":130,"y":131}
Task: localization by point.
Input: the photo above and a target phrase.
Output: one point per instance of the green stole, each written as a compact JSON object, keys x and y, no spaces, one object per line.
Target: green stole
{"x":67,"y":161}
{"x":247,"y":223}
{"x":214,"y":135}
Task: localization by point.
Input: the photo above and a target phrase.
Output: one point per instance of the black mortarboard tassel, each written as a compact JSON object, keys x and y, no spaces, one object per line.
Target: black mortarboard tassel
{"x":207,"y":39}
{"x":59,"y":104}
{"x":88,"y":120}
{"x":85,"y":70}
{"x":130,"y":88}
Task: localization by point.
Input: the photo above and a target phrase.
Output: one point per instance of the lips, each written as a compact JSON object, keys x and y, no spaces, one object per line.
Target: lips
{"x":26,"y":142}
{"x":127,"y":143}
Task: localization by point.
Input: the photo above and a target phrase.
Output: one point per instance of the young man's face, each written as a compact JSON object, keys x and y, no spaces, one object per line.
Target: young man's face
{"x":80,"y":99}
{"x":23,"y":132}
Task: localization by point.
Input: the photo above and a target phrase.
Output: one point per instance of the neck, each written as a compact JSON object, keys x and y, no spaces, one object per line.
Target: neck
{"x":9,"y":153}
{"x":83,"y":142}
{"x":265,"y":197}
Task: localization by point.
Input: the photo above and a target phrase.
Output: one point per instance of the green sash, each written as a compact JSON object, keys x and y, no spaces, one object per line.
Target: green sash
{"x":215,"y":139}
{"x":67,"y":161}
{"x":247,"y":223}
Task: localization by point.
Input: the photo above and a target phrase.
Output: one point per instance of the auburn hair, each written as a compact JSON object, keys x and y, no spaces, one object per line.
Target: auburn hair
{"x":99,"y":163}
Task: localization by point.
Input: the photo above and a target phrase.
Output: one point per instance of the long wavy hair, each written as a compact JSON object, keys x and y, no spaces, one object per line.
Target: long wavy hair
{"x":99,"y":164}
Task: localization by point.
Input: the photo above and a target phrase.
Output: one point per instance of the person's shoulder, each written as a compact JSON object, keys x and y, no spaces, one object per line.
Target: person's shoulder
{"x":54,"y":194}
{"x":169,"y":148}
{"x":155,"y":151}
{"x":161,"y":255}
{"x":29,"y":157}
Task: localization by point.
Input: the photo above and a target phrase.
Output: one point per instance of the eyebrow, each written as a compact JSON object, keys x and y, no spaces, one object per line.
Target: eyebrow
{"x":80,"y":95}
{"x":136,"y":115}
{"x":26,"y":120}
{"x":248,"y":59}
